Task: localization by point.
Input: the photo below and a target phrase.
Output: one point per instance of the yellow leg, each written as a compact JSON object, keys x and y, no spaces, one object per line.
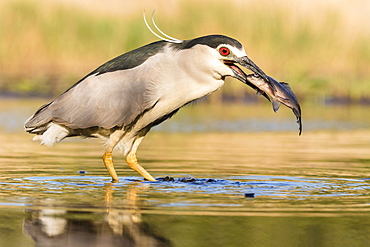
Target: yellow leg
{"x":108,"y":162}
{"x":132,"y":162}
{"x":114,"y":138}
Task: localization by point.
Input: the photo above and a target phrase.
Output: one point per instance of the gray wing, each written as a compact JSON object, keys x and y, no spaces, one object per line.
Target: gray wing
{"x":115,"y":94}
{"x":107,"y":100}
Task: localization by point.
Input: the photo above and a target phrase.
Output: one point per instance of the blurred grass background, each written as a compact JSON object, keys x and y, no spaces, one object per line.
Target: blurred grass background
{"x":322,"y":48}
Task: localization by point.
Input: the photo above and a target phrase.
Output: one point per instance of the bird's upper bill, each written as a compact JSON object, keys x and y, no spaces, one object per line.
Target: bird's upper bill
{"x":249,"y":64}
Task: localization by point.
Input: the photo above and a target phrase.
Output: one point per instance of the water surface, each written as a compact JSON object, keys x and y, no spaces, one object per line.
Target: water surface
{"x":230,"y":187}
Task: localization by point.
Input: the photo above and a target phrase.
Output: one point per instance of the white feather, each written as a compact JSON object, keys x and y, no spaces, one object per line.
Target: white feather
{"x":168,"y":39}
{"x":55,"y":133}
{"x":173,"y":39}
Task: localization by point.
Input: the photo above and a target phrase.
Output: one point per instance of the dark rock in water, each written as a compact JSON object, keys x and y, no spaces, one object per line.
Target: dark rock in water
{"x":187,"y":179}
{"x":167,"y":178}
{"x":211,"y":180}
{"x":249,"y":195}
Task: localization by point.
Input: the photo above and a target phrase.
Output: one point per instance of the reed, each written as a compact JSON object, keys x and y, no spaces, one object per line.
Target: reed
{"x":321,"y":49}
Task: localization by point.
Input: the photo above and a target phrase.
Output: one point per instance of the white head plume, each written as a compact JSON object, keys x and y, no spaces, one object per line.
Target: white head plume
{"x":166,"y":38}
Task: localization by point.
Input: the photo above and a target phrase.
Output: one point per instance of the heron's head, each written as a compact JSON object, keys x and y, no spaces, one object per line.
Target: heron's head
{"x":227,"y":50}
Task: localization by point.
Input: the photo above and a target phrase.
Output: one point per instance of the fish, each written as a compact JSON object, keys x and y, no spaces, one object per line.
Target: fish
{"x":276,"y":92}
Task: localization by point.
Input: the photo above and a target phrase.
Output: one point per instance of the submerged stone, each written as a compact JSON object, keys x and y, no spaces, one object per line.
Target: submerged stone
{"x":249,"y":195}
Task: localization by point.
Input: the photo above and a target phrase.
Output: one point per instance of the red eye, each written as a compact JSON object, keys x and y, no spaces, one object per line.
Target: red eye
{"x":224,"y":51}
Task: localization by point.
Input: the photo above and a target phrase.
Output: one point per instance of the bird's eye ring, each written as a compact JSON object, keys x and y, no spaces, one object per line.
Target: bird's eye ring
{"x":224,"y":51}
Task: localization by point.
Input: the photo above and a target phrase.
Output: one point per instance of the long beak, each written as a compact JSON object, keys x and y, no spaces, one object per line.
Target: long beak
{"x":249,"y":64}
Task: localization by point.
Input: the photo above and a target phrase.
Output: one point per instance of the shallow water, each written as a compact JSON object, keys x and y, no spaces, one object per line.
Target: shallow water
{"x":230,"y":187}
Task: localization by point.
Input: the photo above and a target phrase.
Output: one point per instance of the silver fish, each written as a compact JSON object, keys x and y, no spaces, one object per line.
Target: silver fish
{"x":276,"y":92}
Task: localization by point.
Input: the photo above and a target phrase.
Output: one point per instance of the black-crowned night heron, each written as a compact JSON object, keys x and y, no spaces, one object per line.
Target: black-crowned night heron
{"x":124,"y":98}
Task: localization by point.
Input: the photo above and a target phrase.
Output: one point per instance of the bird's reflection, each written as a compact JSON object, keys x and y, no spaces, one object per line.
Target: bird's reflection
{"x":111,"y":226}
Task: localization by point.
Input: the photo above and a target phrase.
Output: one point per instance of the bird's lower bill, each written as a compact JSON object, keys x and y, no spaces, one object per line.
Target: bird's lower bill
{"x":237,"y":71}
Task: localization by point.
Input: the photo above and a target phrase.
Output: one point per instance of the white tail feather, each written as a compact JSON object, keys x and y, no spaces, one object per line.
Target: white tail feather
{"x":55,"y":133}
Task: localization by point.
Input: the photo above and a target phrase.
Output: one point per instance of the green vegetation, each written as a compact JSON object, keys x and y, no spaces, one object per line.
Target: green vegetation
{"x":322,"y":50}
